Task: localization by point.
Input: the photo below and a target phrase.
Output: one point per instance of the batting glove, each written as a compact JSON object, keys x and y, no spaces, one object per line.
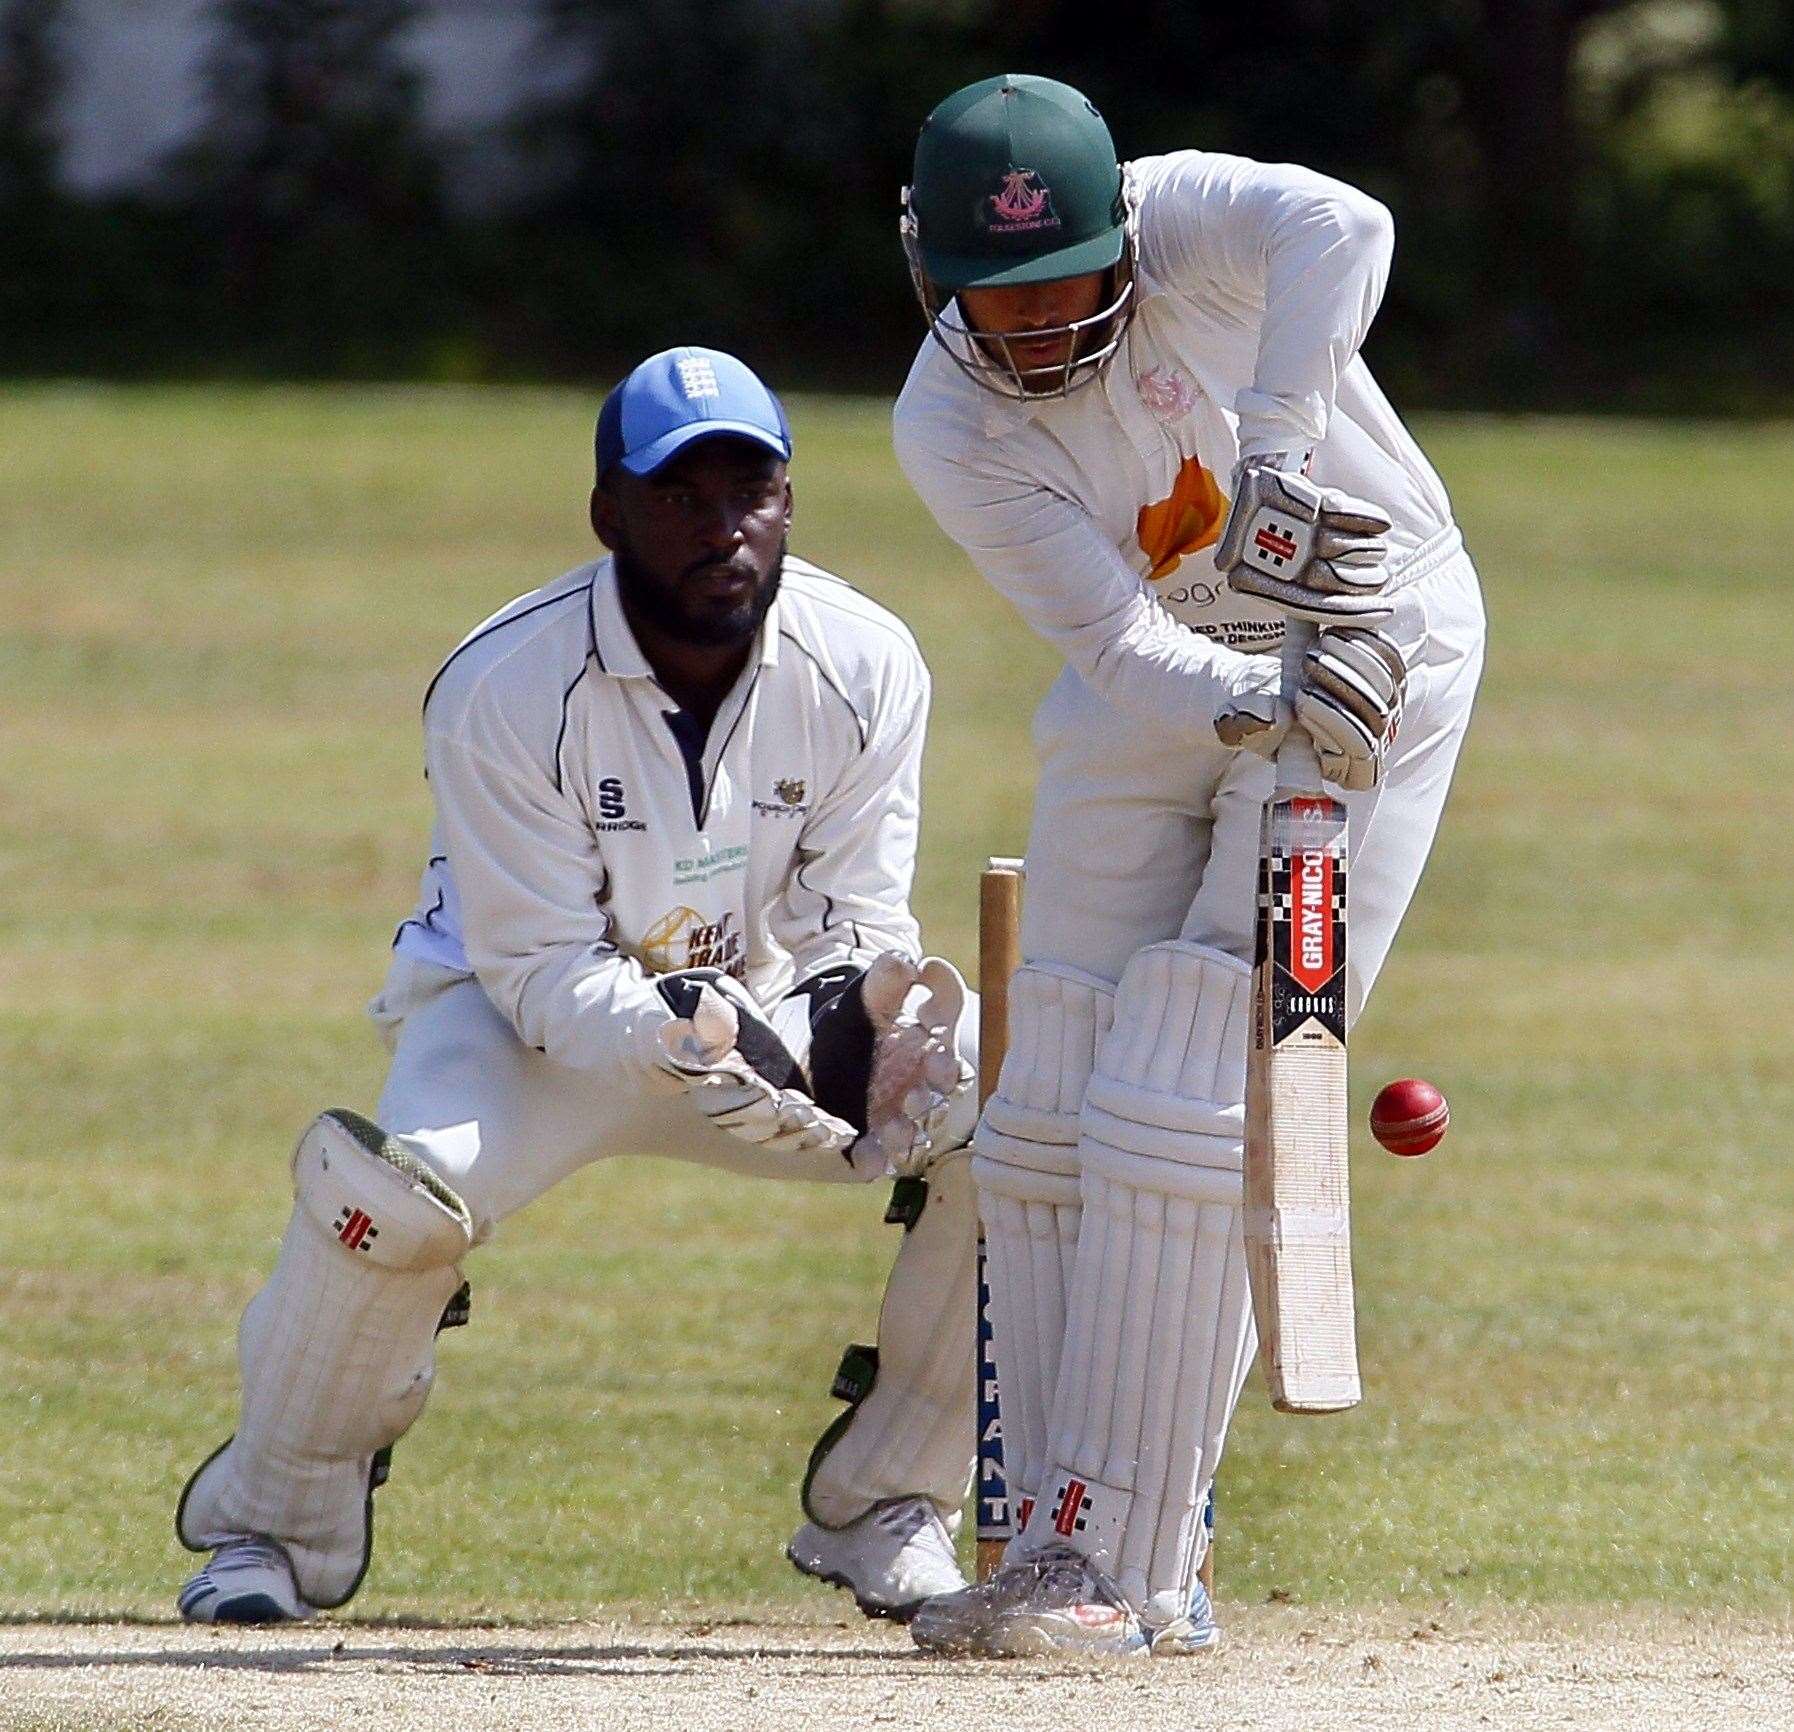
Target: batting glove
{"x":1312,"y":551}
{"x":1353,"y":683}
{"x":1350,"y":702}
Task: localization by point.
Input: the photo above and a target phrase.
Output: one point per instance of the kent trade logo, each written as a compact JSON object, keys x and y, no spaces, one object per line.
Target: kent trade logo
{"x":1023,"y":204}
{"x":683,"y":938}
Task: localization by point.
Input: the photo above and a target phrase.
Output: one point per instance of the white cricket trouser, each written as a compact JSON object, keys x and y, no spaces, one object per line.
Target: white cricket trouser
{"x":502,"y":1124}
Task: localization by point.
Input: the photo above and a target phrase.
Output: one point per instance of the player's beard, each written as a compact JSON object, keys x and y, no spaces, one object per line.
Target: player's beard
{"x":663,"y":604}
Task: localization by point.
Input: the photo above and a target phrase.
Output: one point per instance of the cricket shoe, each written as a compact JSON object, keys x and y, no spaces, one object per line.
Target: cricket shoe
{"x":1196,"y":1632}
{"x":1054,"y":1602}
{"x":893,"y":1558}
{"x":1070,"y":1607}
{"x":249,"y":1581}
{"x":960,"y":1624}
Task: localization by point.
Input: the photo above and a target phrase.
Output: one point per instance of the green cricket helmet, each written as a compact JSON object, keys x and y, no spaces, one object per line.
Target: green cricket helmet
{"x":1016,"y":182}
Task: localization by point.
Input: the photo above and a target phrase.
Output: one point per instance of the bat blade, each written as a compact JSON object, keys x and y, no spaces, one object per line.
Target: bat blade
{"x":1298,"y":1210}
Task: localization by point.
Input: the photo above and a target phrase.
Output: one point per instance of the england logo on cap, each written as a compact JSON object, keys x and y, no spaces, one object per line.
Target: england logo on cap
{"x":697,"y":378}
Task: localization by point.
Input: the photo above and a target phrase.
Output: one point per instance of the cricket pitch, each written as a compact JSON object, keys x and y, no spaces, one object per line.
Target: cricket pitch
{"x":1282,"y":1669}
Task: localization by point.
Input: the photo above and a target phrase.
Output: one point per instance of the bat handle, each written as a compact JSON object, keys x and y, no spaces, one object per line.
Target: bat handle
{"x":1298,"y":763}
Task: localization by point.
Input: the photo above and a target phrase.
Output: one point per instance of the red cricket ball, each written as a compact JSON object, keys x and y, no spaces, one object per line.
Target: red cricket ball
{"x":1409,"y":1117}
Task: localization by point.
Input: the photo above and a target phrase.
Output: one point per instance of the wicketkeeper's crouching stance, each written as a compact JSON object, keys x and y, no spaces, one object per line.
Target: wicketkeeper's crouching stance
{"x":1142,"y":412}
{"x":666,"y":912}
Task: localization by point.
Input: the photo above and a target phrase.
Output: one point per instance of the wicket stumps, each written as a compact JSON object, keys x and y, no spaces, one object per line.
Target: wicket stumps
{"x":999,"y":956}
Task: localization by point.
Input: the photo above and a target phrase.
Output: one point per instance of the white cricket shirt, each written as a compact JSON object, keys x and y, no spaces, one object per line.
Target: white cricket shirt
{"x":1097,"y":514}
{"x":587,"y":839}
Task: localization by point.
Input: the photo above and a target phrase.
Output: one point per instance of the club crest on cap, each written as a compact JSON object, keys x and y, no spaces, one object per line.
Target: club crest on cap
{"x":1022,"y":205}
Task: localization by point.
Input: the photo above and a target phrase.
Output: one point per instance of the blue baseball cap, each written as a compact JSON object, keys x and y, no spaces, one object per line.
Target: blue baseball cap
{"x":681,"y":395}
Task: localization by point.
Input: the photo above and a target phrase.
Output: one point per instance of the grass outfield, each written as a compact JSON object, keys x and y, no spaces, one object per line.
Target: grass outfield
{"x":217,"y":612}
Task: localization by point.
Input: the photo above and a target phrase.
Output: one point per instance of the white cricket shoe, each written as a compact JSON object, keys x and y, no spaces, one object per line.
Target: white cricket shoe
{"x":1196,"y":1632}
{"x":249,"y":1581}
{"x":897,"y":1555}
{"x":1053,"y":1602}
{"x":1056,"y":1602}
{"x":1068,"y":1607}
{"x":960,"y":1623}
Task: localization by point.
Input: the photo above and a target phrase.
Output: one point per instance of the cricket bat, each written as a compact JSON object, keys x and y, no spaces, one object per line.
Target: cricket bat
{"x":1298,"y":1196}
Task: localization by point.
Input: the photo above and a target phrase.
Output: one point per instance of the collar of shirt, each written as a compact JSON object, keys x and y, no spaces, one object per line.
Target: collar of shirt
{"x":613,"y":644}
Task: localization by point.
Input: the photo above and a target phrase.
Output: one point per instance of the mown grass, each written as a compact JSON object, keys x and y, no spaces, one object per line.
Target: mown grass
{"x":217,"y":612}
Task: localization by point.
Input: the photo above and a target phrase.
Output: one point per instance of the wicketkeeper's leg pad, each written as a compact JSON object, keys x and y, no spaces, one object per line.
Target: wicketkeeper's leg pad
{"x":908,"y":1430}
{"x":336,"y":1353}
{"x":1159,"y":1323}
{"x":1027,"y":1174}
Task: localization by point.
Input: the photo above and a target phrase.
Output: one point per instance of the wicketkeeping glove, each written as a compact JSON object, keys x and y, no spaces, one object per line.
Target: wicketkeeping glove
{"x":724,"y":1053}
{"x":1312,"y":551}
{"x":884,"y":1057}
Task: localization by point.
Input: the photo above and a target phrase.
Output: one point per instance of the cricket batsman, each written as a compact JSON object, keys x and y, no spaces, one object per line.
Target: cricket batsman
{"x":1141,"y":411}
{"x":666,"y":911}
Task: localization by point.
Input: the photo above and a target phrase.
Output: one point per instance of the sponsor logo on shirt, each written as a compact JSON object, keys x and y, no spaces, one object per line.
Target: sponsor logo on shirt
{"x":683,"y":938}
{"x":1187,"y":520}
{"x":1195,"y":604}
{"x":613,"y":808}
{"x":717,"y":863}
{"x":1248,"y":636}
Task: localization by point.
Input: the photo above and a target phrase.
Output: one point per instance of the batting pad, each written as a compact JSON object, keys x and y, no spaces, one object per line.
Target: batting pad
{"x":912,"y":1432}
{"x":336,"y":1354}
{"x":1159,"y":1324}
{"x":1030,"y":1240}
{"x":1026,"y":1170}
{"x":1058,"y":1017}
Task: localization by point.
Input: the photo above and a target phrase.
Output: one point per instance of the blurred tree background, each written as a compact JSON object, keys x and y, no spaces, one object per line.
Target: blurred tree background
{"x":1594,"y":198}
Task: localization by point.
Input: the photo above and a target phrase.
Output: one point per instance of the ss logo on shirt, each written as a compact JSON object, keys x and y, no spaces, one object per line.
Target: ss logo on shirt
{"x":610,"y":797}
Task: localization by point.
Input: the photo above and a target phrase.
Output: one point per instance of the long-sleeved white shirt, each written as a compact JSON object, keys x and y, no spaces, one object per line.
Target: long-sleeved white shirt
{"x":1097,"y":514}
{"x":586,"y":841}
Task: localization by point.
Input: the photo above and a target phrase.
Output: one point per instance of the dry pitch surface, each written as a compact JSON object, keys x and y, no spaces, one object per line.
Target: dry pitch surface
{"x":1282,"y":1671}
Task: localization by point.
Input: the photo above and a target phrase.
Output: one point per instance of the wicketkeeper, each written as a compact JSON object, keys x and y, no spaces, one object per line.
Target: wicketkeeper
{"x":1142,"y":412}
{"x":666,"y":911}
